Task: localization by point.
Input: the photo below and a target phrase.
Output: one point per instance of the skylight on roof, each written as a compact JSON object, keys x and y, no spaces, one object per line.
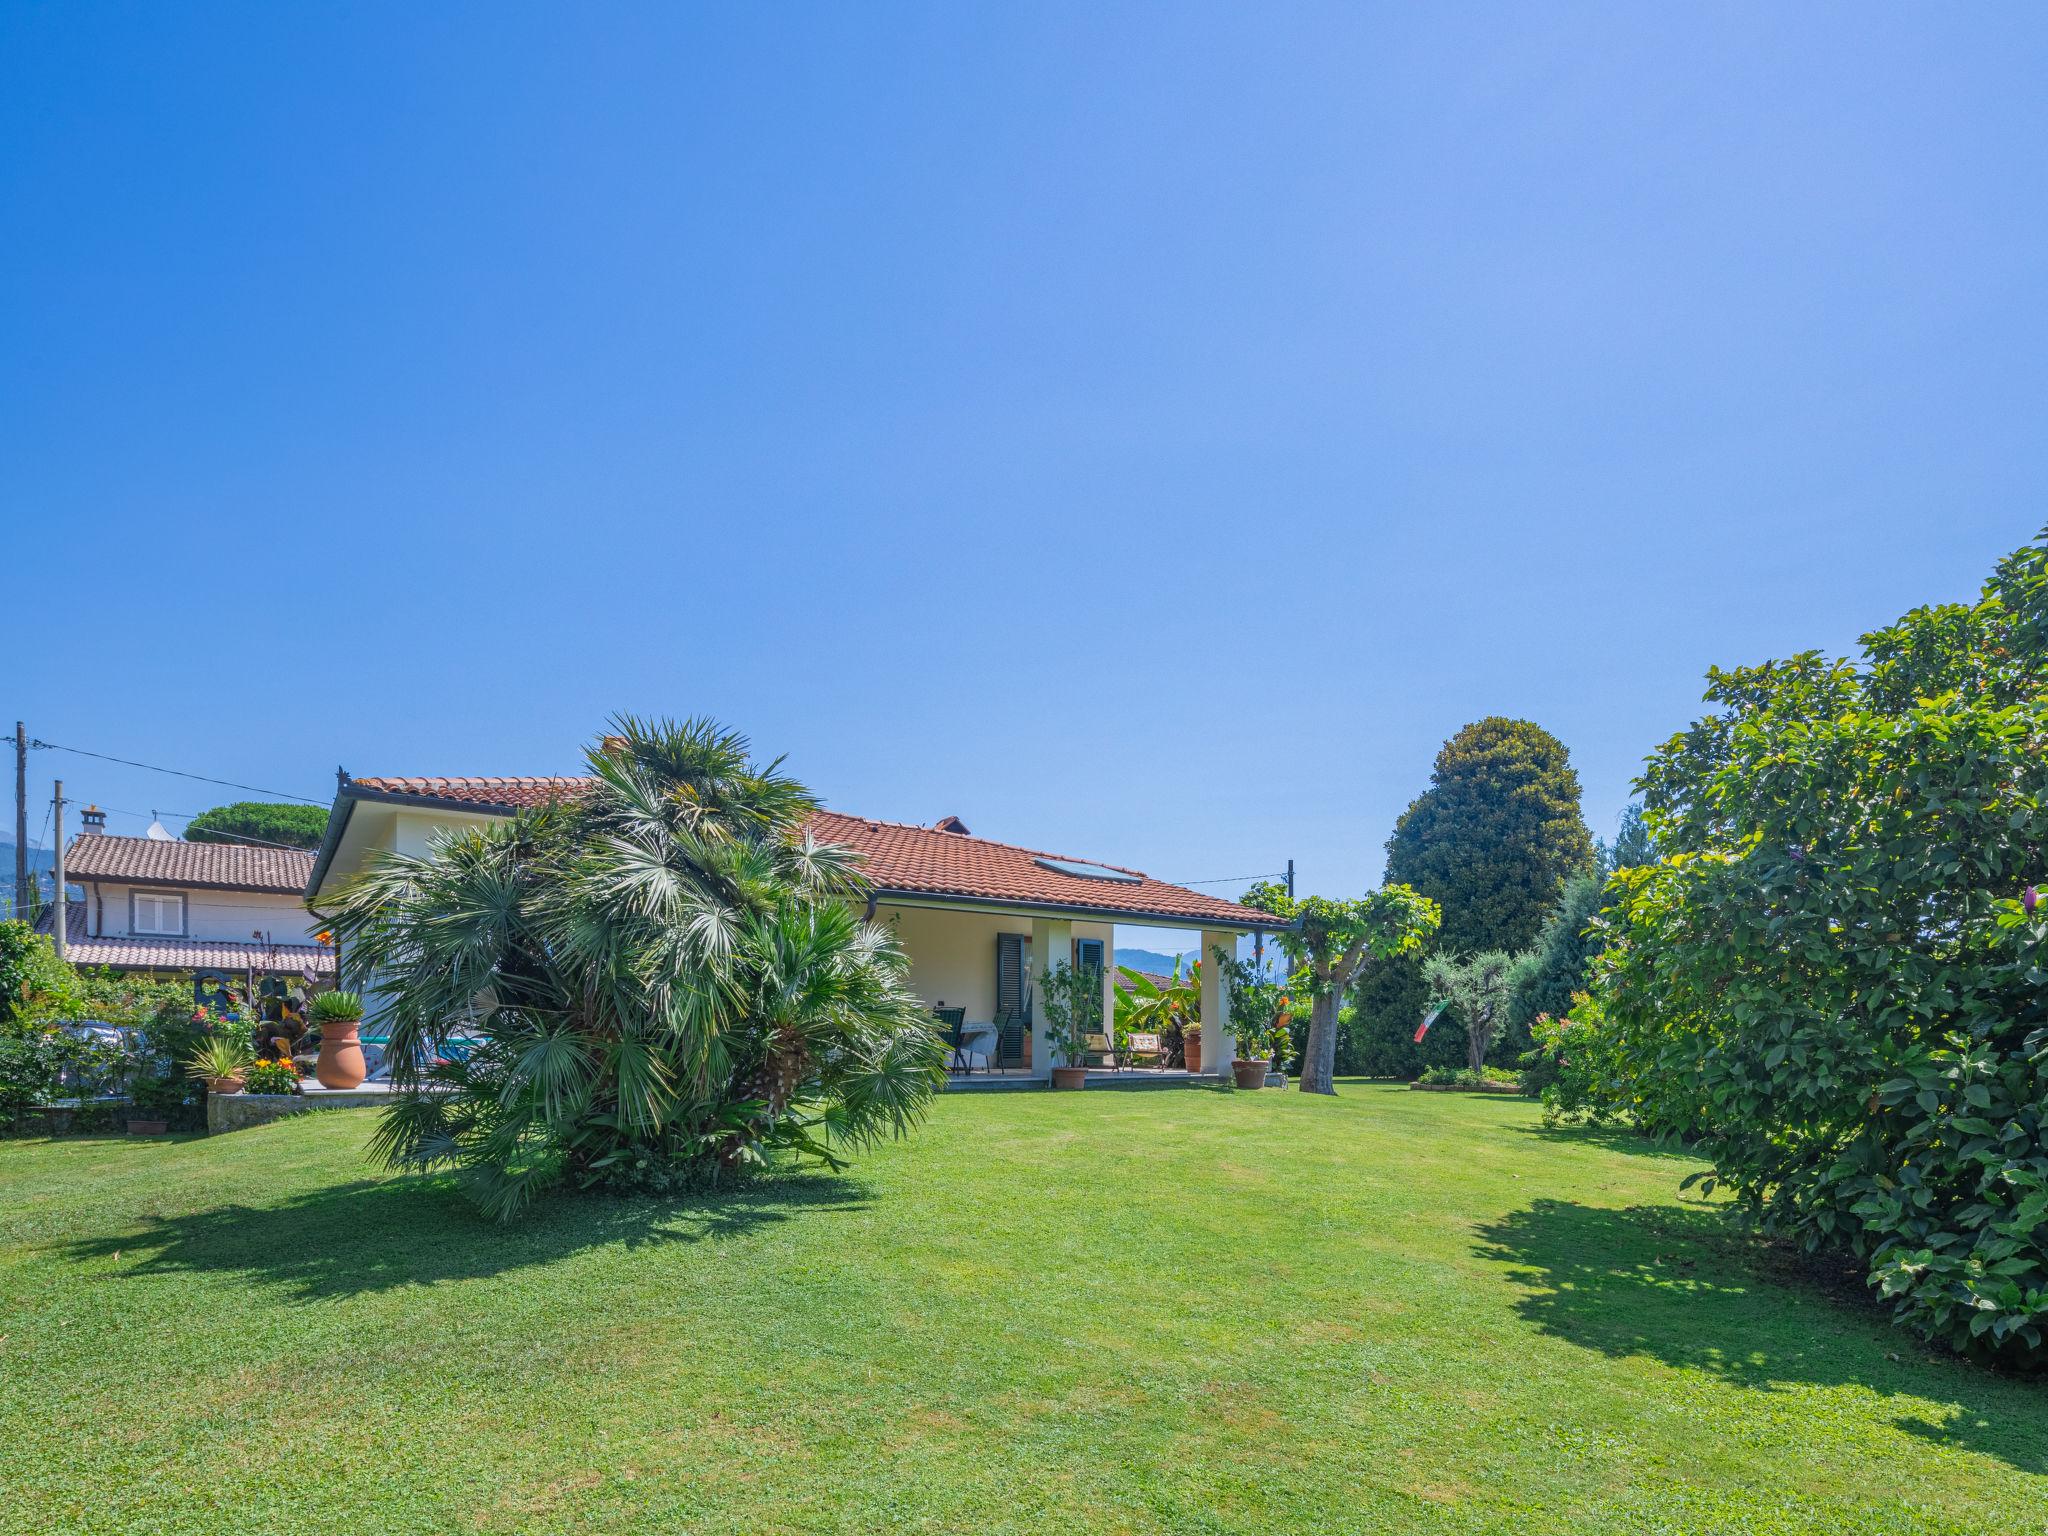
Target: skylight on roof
{"x":1088,"y":871}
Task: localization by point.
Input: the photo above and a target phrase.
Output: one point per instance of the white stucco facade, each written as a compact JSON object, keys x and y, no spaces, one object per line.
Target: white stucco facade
{"x":233,"y":917}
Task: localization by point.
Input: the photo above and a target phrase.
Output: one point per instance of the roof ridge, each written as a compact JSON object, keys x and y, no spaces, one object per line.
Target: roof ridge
{"x":472,"y":778}
{"x":1036,"y":853}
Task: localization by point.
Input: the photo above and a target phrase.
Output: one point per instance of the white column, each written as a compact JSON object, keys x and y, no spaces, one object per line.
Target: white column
{"x":1052,"y":943}
{"x":1218,"y":1045}
{"x":1109,"y":987}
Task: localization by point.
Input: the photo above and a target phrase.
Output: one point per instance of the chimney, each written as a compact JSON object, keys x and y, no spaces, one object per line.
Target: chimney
{"x":951,"y":824}
{"x":93,"y":823}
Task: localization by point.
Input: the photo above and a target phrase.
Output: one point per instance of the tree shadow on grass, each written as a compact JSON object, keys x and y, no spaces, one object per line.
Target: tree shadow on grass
{"x":1689,"y":1288}
{"x":1611,"y":1138}
{"x":373,"y":1235}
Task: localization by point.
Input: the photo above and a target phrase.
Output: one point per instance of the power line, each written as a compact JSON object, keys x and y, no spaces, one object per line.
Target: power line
{"x":129,"y":762}
{"x":1274,"y":874}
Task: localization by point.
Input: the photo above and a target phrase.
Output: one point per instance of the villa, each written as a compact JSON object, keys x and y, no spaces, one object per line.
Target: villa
{"x":219,"y":914}
{"x":981,"y":921}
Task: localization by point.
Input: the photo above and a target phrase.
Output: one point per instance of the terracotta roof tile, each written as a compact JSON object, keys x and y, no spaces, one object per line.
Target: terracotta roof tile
{"x":155,"y":954}
{"x":500,"y":794}
{"x":210,"y":866}
{"x":906,"y":860}
{"x":921,"y":861}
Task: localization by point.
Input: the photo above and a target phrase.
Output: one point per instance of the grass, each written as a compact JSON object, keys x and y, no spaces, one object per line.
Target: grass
{"x":1101,"y":1312}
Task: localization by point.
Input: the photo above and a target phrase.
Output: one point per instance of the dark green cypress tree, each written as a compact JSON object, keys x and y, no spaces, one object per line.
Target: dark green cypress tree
{"x":1494,"y":838}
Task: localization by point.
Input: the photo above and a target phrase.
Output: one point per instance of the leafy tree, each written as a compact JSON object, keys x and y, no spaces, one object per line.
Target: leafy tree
{"x":1564,"y":949}
{"x":666,"y":981}
{"x":1495,"y":836}
{"x":1570,"y":940}
{"x":1832,"y":976}
{"x":1332,"y":941}
{"x":1260,"y":1007}
{"x":35,"y":985}
{"x":1633,"y":845}
{"x":1480,"y":988}
{"x":260,"y":821}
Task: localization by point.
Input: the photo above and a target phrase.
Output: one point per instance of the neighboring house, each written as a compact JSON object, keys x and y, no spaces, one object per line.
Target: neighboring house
{"x":180,"y":909}
{"x":1122,"y":983}
{"x":981,"y":921}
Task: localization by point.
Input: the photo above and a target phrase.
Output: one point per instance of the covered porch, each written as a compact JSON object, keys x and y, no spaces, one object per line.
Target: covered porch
{"x":982,"y":969}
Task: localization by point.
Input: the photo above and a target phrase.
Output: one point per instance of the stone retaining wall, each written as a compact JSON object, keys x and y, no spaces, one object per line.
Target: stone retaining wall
{"x":239,"y":1111}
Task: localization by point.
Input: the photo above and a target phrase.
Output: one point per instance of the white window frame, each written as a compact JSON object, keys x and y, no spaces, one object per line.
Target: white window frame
{"x":159,"y":901}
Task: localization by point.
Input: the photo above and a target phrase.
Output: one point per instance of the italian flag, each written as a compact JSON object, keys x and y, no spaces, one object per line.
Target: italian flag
{"x":1436,"y":1011}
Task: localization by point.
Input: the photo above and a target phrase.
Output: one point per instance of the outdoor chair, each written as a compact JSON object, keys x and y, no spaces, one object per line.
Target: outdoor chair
{"x":1009,"y":1042}
{"x":952,"y":1026}
{"x":1100,"y":1053}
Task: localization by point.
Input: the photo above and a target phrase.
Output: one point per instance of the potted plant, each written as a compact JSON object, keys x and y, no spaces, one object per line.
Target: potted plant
{"x":337,"y":1016}
{"x":221,"y":1062}
{"x":1073,"y":1012}
{"x":1249,"y":1067}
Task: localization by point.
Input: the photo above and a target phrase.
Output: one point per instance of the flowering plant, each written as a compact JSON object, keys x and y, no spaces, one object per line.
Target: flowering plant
{"x":271,"y":1076}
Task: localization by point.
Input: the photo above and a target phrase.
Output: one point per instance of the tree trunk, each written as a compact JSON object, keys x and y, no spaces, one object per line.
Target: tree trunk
{"x":1476,"y":1040}
{"x":773,"y":1083}
{"x":1319,"y":1060}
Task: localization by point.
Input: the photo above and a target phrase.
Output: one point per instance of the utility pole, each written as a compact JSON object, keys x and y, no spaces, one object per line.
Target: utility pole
{"x":21,"y":901}
{"x":1290,"y":879}
{"x":61,"y":922}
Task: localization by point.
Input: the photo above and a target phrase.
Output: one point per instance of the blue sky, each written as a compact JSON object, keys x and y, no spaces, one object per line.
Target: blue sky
{"x":1147,"y":432}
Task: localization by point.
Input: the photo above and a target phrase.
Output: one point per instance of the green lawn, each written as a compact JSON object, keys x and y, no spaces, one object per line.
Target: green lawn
{"x":1175,"y":1311}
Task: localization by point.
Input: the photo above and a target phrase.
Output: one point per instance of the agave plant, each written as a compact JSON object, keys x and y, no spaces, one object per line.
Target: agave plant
{"x":335,"y":1008}
{"x":667,"y":971}
{"x":219,"y":1057}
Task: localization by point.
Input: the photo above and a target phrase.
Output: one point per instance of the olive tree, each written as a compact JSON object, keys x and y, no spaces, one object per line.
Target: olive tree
{"x":1481,"y":990}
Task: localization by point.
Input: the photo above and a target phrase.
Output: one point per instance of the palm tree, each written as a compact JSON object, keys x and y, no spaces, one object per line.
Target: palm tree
{"x":665,"y":973}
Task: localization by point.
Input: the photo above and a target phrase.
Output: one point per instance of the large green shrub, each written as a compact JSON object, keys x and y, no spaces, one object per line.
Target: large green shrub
{"x":34,"y":983}
{"x":1836,"y":975}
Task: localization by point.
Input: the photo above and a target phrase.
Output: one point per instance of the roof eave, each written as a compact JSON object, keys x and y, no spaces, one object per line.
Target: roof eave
{"x":900,"y":896}
{"x":344,"y":804}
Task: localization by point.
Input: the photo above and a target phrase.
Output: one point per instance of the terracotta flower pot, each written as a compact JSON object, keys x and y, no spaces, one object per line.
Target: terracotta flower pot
{"x":1249,"y":1074}
{"x":1192,"y":1049}
{"x":223,"y":1085}
{"x":1070,"y":1077}
{"x":341,"y":1057}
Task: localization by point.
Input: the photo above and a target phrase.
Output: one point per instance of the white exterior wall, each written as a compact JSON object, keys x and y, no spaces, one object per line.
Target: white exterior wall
{"x":226,"y":915}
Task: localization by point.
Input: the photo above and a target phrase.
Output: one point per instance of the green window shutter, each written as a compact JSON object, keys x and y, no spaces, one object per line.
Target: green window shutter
{"x":1009,"y":973}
